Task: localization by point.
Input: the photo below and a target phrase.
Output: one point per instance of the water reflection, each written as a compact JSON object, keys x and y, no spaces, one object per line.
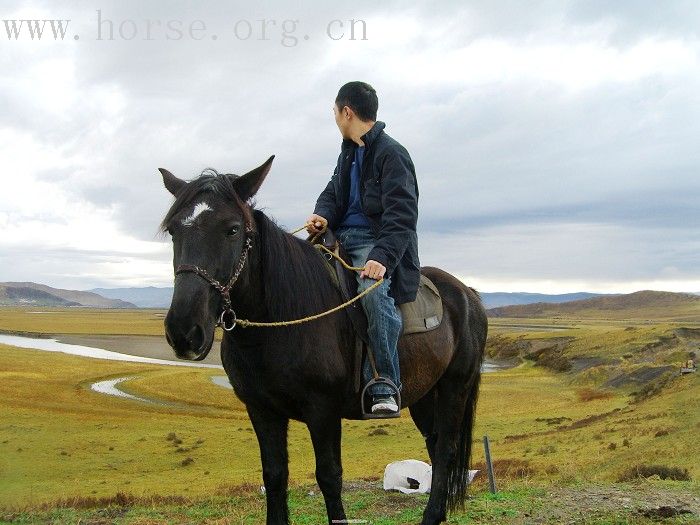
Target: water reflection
{"x":109,"y":387}
{"x":53,"y":345}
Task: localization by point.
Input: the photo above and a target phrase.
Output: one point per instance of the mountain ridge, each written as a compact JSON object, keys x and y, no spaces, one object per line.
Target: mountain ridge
{"x":497,"y":304}
{"x":27,"y":293}
{"x":643,"y":303}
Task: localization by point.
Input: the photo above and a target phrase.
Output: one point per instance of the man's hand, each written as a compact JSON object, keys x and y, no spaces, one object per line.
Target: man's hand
{"x":315,"y":223}
{"x":373,"y":270}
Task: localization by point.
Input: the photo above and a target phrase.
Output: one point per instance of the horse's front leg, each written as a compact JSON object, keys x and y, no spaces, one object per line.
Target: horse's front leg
{"x":271,"y":430}
{"x":325,"y":429}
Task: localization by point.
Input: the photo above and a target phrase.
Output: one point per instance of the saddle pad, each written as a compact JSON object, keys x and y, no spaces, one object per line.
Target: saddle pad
{"x":425,"y":313}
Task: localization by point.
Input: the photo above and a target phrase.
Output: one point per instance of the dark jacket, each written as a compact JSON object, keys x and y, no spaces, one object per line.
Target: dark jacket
{"x":389,"y":199}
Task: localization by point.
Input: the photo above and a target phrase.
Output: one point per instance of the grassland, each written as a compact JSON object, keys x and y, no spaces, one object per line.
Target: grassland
{"x":81,"y":321}
{"x":555,"y":432}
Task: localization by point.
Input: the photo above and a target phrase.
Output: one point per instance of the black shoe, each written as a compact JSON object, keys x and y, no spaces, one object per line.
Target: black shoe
{"x":384,"y":404}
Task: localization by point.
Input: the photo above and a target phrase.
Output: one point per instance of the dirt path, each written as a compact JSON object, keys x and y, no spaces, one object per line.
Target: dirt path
{"x":643,"y":500}
{"x":640,"y":502}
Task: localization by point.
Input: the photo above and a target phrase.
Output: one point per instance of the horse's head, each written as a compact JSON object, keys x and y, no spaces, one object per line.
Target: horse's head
{"x":211,"y":227}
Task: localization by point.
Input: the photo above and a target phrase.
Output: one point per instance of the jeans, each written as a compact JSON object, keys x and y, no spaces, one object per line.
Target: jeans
{"x":383,"y":316}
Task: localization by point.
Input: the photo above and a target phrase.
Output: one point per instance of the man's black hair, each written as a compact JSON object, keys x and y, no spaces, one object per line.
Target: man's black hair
{"x":361,"y":98}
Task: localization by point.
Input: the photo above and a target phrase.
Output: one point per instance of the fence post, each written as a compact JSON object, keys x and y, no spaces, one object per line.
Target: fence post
{"x":489,"y":465}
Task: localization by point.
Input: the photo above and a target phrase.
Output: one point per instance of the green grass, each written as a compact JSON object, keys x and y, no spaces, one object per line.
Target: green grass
{"x":246,"y":505}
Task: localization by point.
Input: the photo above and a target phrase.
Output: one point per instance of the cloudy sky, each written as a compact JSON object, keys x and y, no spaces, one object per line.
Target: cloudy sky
{"x":555,"y":142}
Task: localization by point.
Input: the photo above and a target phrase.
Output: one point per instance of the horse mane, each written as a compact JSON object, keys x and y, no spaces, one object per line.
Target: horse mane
{"x":295,"y":275}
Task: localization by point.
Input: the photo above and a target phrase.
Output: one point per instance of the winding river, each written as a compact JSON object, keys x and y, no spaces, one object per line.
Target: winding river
{"x":139,"y":345}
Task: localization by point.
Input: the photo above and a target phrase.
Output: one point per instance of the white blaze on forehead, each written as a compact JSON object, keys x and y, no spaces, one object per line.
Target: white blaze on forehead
{"x":198,"y":210}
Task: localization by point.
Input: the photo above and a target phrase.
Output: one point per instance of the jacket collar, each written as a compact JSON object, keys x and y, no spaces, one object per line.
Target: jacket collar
{"x":368,"y":138}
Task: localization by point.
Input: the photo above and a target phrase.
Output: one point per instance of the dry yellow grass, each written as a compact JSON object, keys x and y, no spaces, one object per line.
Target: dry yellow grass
{"x":59,"y":439}
{"x":82,"y":321}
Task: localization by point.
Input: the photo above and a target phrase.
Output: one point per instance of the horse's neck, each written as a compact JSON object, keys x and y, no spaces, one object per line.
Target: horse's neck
{"x":256,"y":285}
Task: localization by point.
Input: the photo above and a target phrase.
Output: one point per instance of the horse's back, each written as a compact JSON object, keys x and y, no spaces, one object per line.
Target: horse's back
{"x":452,"y":290}
{"x":464,"y":302}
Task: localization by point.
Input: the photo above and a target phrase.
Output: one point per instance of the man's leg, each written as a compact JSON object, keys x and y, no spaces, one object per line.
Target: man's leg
{"x":384,"y":329}
{"x":383,"y":316}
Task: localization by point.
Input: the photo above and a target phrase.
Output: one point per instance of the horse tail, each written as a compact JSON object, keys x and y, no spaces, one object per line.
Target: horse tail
{"x":473,"y":342}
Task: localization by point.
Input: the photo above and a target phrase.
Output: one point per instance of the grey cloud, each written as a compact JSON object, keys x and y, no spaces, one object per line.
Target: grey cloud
{"x":80,"y":269}
{"x":564,"y":251}
{"x":641,"y":18}
{"x":509,"y":156}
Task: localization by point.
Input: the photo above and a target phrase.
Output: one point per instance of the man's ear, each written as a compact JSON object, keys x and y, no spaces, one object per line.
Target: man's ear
{"x":248,"y":185}
{"x":172,"y":183}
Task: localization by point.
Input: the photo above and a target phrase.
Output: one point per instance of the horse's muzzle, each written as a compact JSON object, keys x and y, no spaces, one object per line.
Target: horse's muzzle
{"x":193,"y":345}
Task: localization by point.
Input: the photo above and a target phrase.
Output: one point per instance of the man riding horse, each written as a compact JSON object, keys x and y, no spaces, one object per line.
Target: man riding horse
{"x":287,"y":349}
{"x":371,"y":203}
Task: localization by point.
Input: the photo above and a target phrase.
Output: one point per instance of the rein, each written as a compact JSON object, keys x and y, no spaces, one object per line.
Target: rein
{"x":228,"y":312}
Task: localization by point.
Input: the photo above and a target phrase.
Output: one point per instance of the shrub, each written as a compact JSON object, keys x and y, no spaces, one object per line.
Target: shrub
{"x":553,"y":359}
{"x":120,"y":499}
{"x":589,"y":394}
{"x":508,"y":468}
{"x":552,"y":469}
{"x":500,"y":347}
{"x":646,"y":471}
{"x":553,"y":420}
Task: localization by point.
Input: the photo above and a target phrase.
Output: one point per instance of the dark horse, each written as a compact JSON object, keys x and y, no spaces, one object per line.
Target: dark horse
{"x":305,"y":371}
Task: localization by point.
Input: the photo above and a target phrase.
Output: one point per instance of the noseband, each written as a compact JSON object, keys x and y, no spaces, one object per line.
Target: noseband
{"x":224,"y":291}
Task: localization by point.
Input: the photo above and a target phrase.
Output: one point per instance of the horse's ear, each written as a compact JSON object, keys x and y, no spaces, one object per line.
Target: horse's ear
{"x":172,"y":183}
{"x":248,"y":185}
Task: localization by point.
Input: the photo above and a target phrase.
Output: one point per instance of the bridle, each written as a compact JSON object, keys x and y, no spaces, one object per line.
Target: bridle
{"x":230,"y":314}
{"x":224,"y":291}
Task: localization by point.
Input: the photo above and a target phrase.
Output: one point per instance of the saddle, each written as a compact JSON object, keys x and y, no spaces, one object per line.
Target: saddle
{"x":422,"y":315}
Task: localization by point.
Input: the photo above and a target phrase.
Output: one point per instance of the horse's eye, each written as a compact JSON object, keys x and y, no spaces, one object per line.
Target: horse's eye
{"x":233,"y":230}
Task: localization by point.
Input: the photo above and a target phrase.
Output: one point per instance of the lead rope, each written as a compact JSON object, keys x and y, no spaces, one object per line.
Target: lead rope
{"x":370,"y":353}
{"x":224,"y":291}
{"x":246,"y":322}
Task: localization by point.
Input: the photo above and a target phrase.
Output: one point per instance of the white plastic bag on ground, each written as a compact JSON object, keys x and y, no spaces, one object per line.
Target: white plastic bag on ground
{"x":410,"y":476}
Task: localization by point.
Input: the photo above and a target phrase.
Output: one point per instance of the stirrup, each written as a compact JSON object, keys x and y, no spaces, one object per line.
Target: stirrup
{"x":368,"y":414}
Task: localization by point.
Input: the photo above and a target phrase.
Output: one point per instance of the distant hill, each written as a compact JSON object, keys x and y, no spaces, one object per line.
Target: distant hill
{"x":645,"y":304}
{"x":154,"y":297}
{"x":496,"y":299}
{"x":24,"y":295}
{"x":34,"y":294}
{"x":147,"y":297}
